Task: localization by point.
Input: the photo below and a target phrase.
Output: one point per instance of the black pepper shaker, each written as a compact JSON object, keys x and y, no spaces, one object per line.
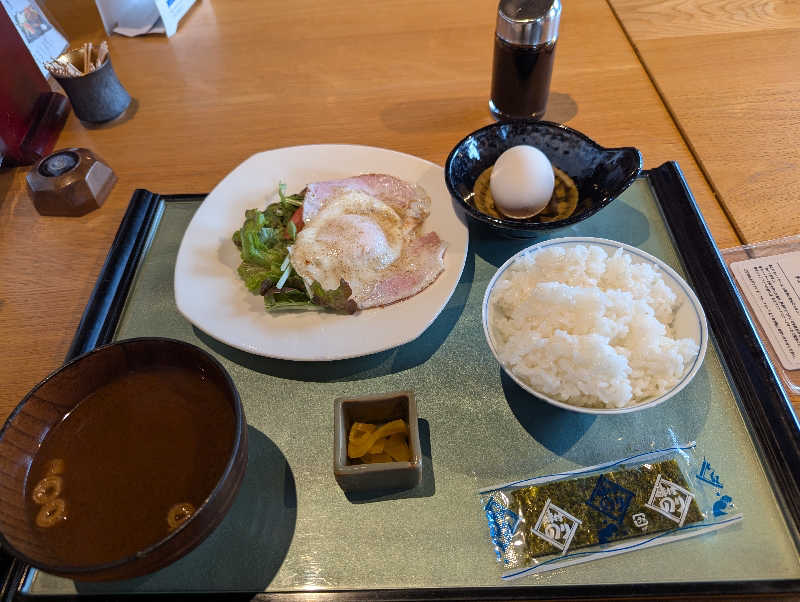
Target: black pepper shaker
{"x":524,"y":49}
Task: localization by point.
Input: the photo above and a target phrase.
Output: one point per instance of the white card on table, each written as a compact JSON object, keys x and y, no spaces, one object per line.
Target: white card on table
{"x":771,"y":286}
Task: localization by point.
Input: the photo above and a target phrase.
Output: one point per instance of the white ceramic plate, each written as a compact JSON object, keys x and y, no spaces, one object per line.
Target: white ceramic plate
{"x":690,"y":319}
{"x":210,"y":294}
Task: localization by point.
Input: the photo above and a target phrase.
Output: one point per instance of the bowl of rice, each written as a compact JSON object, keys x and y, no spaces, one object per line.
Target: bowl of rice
{"x":594,"y":325}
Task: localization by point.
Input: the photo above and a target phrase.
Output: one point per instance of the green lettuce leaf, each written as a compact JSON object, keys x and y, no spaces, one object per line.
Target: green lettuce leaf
{"x":269,"y":236}
{"x":263,"y":243}
{"x":260,"y":244}
{"x":255,"y":276}
{"x":287,"y":298}
{"x":338,"y":300}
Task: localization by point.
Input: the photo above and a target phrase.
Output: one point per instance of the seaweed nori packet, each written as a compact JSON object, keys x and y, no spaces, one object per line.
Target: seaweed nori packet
{"x":548,"y":522}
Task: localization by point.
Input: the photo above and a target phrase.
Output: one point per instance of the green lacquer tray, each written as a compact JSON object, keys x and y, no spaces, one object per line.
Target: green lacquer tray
{"x":292,"y":532}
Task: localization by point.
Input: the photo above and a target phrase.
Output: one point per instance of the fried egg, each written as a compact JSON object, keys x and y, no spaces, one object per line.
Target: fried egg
{"x":367,"y":242}
{"x":353,"y":237}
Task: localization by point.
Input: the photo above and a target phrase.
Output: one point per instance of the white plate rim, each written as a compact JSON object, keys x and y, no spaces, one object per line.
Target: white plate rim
{"x":435,"y":297}
{"x":641,"y":255}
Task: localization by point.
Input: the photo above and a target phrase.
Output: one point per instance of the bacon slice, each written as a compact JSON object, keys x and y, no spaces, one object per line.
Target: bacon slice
{"x":419,"y":265}
{"x":410,"y":202}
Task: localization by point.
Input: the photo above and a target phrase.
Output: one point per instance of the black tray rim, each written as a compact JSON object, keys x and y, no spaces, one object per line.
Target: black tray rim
{"x":772,"y":422}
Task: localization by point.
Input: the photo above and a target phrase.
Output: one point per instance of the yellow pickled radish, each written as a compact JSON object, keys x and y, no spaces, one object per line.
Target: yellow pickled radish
{"x":363,"y":442}
{"x":360,"y":428}
{"x":378,"y":447}
{"x":397,"y":447}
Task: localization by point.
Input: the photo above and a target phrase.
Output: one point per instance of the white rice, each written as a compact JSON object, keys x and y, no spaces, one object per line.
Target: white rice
{"x":587,"y":328}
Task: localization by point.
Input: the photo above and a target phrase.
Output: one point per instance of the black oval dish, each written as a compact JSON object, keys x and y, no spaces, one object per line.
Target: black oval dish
{"x":601,"y":174}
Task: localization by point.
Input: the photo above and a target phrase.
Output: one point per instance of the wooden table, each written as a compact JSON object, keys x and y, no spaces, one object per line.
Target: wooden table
{"x":727,"y":72}
{"x":241,"y":77}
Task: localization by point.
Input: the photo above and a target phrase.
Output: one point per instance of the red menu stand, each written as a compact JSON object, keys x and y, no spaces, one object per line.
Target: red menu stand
{"x":31,"y":114}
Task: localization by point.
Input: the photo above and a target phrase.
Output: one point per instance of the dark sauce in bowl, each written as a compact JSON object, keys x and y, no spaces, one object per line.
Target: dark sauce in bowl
{"x":129,"y":463}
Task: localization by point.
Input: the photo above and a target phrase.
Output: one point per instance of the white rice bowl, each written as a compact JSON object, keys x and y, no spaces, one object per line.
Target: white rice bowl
{"x":594,"y":325}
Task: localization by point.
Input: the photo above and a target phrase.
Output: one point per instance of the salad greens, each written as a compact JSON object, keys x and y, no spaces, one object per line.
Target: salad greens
{"x":263,"y":242}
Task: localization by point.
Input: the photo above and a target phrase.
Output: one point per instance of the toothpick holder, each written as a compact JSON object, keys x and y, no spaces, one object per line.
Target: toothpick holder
{"x":97,"y":96}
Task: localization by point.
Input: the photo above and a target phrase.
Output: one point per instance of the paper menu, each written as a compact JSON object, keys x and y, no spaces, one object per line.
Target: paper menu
{"x":43,"y":40}
{"x":139,"y":17}
{"x":771,"y":286}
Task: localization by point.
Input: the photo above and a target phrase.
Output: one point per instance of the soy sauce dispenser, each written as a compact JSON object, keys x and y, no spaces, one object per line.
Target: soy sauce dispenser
{"x":524,"y":49}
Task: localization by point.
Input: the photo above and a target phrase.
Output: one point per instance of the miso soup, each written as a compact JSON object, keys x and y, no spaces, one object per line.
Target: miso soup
{"x":130,"y":463}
